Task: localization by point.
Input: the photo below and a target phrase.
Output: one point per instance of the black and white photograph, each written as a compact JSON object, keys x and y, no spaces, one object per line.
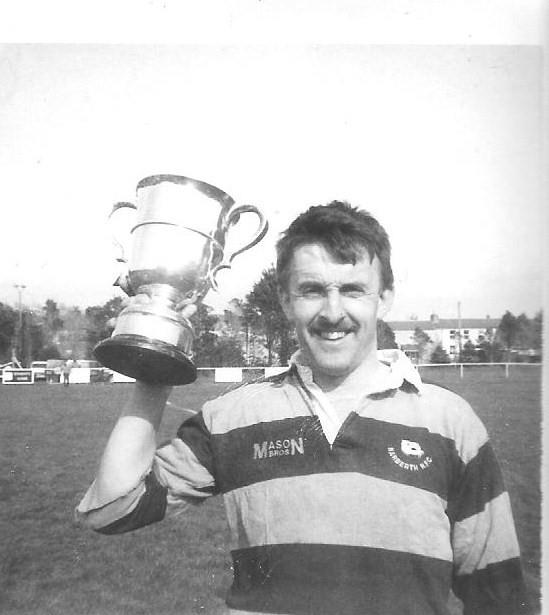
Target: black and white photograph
{"x":272,"y":304}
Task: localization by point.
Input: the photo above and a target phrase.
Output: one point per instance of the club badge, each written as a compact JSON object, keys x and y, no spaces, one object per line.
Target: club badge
{"x":410,"y":456}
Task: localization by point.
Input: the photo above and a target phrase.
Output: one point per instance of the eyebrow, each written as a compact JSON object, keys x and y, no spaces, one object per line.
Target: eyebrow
{"x":317,"y":284}
{"x":306,"y":284}
{"x":353,"y":285}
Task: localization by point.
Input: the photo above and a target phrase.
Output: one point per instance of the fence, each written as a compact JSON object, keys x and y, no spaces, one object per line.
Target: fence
{"x":438,"y":372}
{"x":452,"y":372}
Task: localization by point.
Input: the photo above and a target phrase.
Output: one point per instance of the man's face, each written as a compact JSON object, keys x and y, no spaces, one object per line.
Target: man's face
{"x":334,"y":307}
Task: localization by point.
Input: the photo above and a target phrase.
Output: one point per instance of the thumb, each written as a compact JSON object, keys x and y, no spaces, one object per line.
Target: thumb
{"x":186,"y":310}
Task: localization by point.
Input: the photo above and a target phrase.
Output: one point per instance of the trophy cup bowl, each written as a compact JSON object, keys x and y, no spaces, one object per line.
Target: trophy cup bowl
{"x":177,"y":242}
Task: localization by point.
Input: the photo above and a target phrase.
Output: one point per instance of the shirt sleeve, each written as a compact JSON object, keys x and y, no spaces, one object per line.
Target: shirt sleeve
{"x":185,"y":465}
{"x":487,"y":570}
{"x":181,"y":474}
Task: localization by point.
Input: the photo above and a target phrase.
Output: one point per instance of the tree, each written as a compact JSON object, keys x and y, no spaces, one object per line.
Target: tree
{"x":25,"y":352}
{"x":52,"y":325}
{"x":537,"y":333}
{"x":100,"y":321}
{"x":237,"y":320}
{"x":45,"y":352}
{"x":203,"y":320}
{"x":529,"y":331}
{"x":439,"y":355}
{"x":205,"y":339}
{"x":263,"y":313}
{"x":41,"y":333}
{"x":36,"y":341}
{"x":508,"y":331}
{"x":8,"y":326}
{"x":209,"y":348}
{"x":72,"y":338}
{"x":218,"y":351}
{"x":422,"y":340}
{"x":524,"y":337}
{"x":51,"y":318}
{"x":468,"y":353}
{"x":385,"y":336}
{"x":490,"y":351}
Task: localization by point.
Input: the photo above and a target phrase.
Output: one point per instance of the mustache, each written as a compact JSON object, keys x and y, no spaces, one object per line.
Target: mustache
{"x":325,"y":326}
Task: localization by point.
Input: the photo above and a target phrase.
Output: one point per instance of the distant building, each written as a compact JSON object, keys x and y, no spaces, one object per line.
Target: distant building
{"x":450,"y":333}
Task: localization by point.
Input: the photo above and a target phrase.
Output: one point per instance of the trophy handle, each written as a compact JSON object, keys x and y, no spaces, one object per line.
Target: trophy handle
{"x":116,"y":236}
{"x":232,"y":219}
{"x":123,"y":278}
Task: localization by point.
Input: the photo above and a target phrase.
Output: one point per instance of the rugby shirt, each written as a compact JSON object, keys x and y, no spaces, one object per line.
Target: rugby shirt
{"x":407,"y":503}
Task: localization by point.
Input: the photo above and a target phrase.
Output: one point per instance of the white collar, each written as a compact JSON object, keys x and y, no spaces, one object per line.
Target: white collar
{"x":400,"y":369}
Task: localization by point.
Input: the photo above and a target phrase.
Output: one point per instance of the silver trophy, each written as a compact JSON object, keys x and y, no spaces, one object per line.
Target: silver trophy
{"x":177,"y":241}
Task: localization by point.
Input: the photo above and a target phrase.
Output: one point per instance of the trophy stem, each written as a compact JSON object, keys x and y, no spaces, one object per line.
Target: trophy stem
{"x":162,"y":292}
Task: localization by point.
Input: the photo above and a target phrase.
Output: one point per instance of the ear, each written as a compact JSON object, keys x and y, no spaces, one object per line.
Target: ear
{"x":385,"y":302}
{"x":284,"y":299}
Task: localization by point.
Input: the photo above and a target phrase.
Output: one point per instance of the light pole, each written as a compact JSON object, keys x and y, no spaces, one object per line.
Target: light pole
{"x":459,"y":329}
{"x":20,"y":288}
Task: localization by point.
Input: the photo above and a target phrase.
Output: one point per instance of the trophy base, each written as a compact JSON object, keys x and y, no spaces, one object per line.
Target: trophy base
{"x":146,"y":359}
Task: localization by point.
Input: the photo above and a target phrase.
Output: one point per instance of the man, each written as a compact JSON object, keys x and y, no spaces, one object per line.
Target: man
{"x":66,"y":371}
{"x":350,"y":486}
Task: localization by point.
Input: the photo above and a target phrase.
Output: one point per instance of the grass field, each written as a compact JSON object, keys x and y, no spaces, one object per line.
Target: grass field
{"x":50,"y":441}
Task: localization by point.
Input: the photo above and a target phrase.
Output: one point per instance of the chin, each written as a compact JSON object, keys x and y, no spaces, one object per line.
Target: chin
{"x":332,"y":369}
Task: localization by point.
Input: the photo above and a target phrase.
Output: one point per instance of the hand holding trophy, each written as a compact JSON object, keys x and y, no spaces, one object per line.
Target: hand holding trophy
{"x":177,"y":248}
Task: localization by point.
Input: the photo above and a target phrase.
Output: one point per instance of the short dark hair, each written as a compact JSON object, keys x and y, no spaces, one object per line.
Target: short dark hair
{"x":346,"y":232}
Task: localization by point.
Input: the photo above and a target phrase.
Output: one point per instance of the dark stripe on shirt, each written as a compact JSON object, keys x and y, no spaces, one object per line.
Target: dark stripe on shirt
{"x":480,"y":482}
{"x":196,"y":436}
{"x":150,"y":508}
{"x":329,"y":579}
{"x":298,"y":447}
{"x":497,"y":589}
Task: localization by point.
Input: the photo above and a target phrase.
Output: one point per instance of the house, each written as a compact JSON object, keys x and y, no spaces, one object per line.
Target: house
{"x":450,"y":333}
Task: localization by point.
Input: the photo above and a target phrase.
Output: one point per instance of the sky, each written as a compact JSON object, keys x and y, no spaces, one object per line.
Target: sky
{"x":442,"y":142}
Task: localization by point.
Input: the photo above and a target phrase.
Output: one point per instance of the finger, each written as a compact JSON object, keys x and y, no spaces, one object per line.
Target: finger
{"x":186,"y":301}
{"x":188,"y":310}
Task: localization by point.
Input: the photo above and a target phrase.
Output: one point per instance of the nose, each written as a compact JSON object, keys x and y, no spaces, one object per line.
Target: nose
{"x":332,"y":308}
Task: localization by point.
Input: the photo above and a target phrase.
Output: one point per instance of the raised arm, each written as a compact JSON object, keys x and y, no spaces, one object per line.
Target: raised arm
{"x":124,"y":473}
{"x":127,"y":457}
{"x":131,"y":446}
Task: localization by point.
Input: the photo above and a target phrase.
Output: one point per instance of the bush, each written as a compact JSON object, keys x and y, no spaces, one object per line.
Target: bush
{"x":439,"y":355}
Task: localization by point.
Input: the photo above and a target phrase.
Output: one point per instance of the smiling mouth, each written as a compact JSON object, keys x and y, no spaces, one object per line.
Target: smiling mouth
{"x":332,"y":335}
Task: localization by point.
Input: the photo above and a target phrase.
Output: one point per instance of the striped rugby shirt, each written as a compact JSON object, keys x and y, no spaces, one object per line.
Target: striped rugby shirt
{"x":405,"y":503}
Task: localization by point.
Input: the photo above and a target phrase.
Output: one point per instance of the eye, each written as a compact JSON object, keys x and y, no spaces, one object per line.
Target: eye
{"x":354,"y":291}
{"x":311,"y":291}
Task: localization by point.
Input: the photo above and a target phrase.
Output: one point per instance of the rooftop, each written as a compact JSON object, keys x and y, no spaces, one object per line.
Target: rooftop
{"x":435,"y":324}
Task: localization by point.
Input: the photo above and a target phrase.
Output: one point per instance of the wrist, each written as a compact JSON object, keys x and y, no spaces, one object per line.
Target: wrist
{"x":148,"y":402}
{"x":152,"y":390}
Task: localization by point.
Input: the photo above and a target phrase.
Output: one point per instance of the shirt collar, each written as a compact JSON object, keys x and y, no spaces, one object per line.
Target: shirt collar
{"x":400,"y":369}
